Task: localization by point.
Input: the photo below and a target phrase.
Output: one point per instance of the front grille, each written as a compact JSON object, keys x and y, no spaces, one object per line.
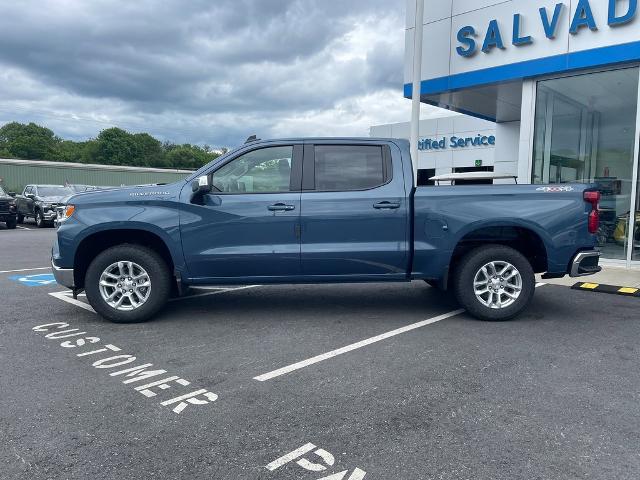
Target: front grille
{"x":4,"y":207}
{"x":52,"y":208}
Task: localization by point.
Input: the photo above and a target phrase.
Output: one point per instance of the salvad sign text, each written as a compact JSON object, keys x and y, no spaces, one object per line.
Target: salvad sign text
{"x":620,"y":12}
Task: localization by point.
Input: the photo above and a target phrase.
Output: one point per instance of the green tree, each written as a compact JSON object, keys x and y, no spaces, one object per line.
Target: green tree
{"x":115,"y":147}
{"x":31,"y":141}
{"x":70,"y":151}
{"x":148,"y":151}
{"x":188,"y":156}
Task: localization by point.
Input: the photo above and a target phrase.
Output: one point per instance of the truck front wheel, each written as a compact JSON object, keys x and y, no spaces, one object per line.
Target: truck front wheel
{"x":128,"y":283}
{"x":40,"y":222}
{"x":494,"y":282}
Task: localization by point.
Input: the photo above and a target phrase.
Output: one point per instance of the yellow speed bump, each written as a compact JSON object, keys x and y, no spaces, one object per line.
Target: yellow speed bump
{"x":612,"y":289}
{"x":629,"y":290}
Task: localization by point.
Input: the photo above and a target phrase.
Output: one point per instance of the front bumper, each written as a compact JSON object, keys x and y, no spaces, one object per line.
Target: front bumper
{"x":64,"y":276}
{"x":585,"y":263}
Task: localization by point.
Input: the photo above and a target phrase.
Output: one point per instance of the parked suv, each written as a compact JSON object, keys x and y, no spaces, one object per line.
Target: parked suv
{"x":7,"y":209}
{"x":40,"y":202}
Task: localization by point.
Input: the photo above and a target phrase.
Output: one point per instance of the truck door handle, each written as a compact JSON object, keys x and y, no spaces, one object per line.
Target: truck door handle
{"x":281,"y":207}
{"x":386,"y":205}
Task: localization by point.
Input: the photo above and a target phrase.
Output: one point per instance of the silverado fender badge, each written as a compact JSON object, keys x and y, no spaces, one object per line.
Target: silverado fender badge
{"x":148,"y":194}
{"x":555,"y":189}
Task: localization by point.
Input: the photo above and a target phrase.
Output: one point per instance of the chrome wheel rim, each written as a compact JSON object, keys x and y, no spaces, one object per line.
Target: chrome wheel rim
{"x":125,"y":286}
{"x":497,"y":285}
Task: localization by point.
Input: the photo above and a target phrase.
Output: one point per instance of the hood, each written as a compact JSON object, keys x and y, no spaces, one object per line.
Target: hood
{"x":128,"y":194}
{"x":53,"y":199}
{"x":65,"y":200}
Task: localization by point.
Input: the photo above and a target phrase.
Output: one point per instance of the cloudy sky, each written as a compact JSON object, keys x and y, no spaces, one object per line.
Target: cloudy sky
{"x":203,"y":71}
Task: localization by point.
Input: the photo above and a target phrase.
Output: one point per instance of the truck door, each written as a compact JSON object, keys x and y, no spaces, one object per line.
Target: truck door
{"x":25,"y":205}
{"x":248,"y":226}
{"x":354,"y":212}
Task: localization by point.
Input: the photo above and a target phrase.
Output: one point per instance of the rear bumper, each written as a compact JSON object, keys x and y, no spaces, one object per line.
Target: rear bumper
{"x":585,"y":263}
{"x":64,"y":276}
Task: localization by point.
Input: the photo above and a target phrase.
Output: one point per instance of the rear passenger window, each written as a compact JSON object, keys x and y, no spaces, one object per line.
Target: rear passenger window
{"x":351,"y":167}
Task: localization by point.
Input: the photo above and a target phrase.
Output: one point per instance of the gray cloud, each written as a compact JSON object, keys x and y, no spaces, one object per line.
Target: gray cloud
{"x":201,"y":71}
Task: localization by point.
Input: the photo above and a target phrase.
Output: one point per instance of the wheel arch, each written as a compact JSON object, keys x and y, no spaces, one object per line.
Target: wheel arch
{"x":526,"y":239}
{"x":98,"y":241}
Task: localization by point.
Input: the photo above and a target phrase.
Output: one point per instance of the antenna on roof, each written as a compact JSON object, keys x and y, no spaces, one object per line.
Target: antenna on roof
{"x":251,"y":139}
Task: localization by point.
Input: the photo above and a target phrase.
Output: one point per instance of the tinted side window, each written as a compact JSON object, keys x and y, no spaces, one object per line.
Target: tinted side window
{"x":28,"y":190}
{"x":350,"y":167}
{"x":267,"y":170}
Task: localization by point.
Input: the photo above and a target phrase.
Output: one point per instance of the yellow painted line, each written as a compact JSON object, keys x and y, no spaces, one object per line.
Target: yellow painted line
{"x":628,"y":290}
{"x":590,"y":286}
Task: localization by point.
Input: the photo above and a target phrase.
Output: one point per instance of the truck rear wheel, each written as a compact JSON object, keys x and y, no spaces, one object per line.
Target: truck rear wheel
{"x":128,"y":283}
{"x":494,"y":283}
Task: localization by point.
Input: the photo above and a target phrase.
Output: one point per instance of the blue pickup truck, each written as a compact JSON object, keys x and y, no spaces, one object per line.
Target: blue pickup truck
{"x":319,"y":211}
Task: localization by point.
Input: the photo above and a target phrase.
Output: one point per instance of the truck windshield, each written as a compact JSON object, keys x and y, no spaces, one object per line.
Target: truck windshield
{"x":54,"y":191}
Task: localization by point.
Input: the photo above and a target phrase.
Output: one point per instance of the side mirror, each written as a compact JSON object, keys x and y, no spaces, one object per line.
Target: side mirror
{"x":30,"y":195}
{"x":12,"y":194}
{"x":201,"y":185}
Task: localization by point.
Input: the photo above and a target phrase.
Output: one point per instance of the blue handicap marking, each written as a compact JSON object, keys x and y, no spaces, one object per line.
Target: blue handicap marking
{"x":35,"y":280}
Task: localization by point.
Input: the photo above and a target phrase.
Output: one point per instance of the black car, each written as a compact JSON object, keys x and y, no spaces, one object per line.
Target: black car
{"x":8,"y":213}
{"x":40,"y":202}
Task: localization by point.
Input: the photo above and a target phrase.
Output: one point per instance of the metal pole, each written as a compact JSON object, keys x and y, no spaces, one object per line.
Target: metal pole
{"x":415,"y":94}
{"x":635,"y":178}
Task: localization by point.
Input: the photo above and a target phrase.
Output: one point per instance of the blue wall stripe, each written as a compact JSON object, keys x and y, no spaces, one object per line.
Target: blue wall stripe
{"x":596,"y":57}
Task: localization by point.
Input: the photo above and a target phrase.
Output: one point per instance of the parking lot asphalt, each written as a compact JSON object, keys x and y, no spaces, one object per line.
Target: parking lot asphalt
{"x":551,"y":395}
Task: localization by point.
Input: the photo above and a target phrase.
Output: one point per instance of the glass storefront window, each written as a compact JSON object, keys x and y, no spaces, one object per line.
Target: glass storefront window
{"x":585,"y":129}
{"x":636,"y":237}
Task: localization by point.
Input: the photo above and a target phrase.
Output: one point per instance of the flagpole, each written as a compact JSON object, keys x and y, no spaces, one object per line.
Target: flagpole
{"x":417,"y":79}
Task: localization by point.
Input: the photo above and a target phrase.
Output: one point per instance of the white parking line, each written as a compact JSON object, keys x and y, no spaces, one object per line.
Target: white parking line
{"x":363,"y":343}
{"x":355,"y":346}
{"x":25,"y":270}
{"x":222,"y":290}
{"x":65,"y":296}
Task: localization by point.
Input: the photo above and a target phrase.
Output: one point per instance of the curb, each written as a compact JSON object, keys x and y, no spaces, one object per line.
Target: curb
{"x":610,"y":289}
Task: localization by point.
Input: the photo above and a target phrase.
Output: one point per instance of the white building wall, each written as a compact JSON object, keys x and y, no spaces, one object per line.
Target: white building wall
{"x":444,"y":161}
{"x":506,"y":160}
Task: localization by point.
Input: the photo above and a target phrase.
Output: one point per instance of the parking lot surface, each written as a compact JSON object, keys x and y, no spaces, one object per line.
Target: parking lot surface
{"x":313,"y":382}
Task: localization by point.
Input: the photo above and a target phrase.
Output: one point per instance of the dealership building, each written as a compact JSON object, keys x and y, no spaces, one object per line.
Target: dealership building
{"x":449,"y":143}
{"x":557,"y":80}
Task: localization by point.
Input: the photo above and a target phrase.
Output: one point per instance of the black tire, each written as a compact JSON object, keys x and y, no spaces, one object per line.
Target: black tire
{"x":11,"y":224}
{"x":156,"y":268}
{"x":20,"y":219}
{"x":473,"y":262}
{"x":39,"y":218}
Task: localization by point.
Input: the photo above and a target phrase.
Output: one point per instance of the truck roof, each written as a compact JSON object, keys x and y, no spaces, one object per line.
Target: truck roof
{"x":324,"y":139}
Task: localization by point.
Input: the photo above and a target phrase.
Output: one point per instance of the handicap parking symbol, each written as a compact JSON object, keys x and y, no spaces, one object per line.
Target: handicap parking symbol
{"x":38,"y":280}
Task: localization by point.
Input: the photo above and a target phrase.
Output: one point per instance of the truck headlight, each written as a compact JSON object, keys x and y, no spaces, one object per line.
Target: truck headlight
{"x":66,"y":213}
